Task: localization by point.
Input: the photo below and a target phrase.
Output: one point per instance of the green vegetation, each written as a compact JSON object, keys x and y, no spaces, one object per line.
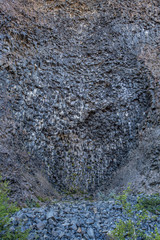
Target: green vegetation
{"x":89,"y":167}
{"x":151,"y":203}
{"x":6,"y":211}
{"x":132,"y":230}
{"x":73,"y":190}
{"x":30,"y":203}
{"x":41,"y":199}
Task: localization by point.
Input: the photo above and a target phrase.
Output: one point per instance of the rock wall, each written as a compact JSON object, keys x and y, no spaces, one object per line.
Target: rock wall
{"x":80,"y":80}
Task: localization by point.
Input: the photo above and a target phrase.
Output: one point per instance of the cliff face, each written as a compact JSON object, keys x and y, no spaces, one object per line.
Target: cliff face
{"x":80,"y":93}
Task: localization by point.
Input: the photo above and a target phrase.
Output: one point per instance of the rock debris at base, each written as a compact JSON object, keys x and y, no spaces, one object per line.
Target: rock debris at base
{"x":83,"y":220}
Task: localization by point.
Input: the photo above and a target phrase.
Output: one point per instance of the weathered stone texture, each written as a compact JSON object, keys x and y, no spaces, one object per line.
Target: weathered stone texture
{"x":81,"y":81}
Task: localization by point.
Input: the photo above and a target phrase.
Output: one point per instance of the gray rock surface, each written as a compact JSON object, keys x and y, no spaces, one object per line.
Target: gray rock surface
{"x":79,"y":95}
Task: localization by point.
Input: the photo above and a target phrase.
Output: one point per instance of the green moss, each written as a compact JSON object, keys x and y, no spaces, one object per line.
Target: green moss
{"x":89,"y":167}
{"x":73,"y":190}
{"x":42,"y":199}
{"x":30,"y":203}
{"x":74,"y":174}
{"x":89,"y":198}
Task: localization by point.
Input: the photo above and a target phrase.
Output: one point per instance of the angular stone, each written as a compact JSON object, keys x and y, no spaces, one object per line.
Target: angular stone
{"x":51,"y":214}
{"x":90,"y":233}
{"x":41,"y":225}
{"x":90,"y":221}
{"x":79,"y":230}
{"x":61,"y":234}
{"x":73,"y":227}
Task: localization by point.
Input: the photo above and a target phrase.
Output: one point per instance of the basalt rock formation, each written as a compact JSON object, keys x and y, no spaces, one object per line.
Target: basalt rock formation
{"x":79,"y":102}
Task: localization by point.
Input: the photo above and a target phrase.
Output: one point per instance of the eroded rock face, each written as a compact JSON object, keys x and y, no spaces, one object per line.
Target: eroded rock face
{"x":79,"y":86}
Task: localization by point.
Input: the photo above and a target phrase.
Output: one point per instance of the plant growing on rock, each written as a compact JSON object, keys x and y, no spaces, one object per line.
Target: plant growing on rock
{"x":6,"y":211}
{"x":137,"y":214}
